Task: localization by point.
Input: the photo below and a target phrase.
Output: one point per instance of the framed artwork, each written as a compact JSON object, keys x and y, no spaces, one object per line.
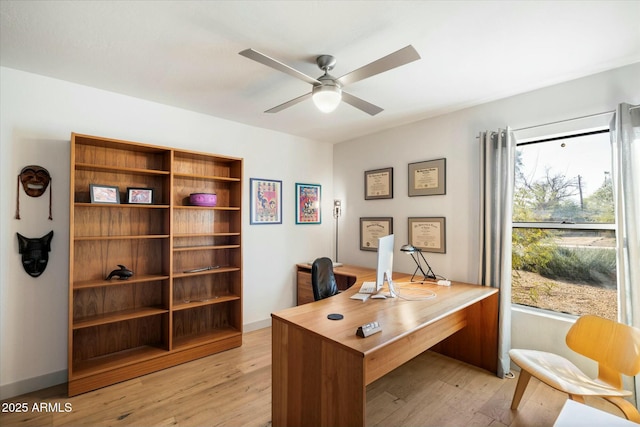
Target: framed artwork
{"x":104,"y":194}
{"x":308,"y":199}
{"x":427,"y":178}
{"x":139,"y":196}
{"x":266,"y":201}
{"x":371,"y":229}
{"x":428,"y":234}
{"x":378,"y":184}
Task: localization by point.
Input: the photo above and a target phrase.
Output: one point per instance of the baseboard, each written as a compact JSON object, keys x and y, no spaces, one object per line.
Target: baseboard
{"x":248,"y":327}
{"x":32,"y":384}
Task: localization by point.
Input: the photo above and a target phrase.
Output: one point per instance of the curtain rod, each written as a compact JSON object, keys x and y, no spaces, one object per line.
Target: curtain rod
{"x":567,"y":120}
{"x":575,"y":118}
{"x":570,"y":120}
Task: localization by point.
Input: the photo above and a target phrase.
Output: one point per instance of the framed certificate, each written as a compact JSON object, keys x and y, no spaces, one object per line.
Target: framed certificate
{"x":428,"y":234}
{"x":371,"y":229}
{"x":427,"y":178}
{"x":378,"y":184}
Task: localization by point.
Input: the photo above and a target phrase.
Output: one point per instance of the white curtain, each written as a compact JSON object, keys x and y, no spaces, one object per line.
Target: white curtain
{"x":625,"y":141}
{"x":497,"y":165}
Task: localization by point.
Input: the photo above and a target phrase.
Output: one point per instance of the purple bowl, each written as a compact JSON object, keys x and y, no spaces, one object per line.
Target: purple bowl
{"x":203,"y":199}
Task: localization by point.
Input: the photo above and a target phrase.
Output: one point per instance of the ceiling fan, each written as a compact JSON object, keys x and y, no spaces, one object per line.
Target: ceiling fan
{"x":327,"y":90}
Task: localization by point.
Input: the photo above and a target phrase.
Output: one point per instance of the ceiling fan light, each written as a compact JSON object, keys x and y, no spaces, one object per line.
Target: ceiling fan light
{"x":327,"y":97}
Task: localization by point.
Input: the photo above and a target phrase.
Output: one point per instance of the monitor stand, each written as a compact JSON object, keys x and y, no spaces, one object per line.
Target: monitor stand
{"x":392,"y":290}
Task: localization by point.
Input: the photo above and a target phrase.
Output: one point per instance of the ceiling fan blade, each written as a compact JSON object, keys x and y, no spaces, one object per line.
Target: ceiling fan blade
{"x":270,"y":62}
{"x":393,"y":60}
{"x":361,"y":104}
{"x":288,"y":104}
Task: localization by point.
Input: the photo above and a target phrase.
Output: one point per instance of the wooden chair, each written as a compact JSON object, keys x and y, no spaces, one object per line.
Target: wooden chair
{"x":616,"y":348}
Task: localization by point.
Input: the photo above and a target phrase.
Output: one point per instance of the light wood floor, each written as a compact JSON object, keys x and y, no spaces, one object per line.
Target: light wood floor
{"x":233,"y":388}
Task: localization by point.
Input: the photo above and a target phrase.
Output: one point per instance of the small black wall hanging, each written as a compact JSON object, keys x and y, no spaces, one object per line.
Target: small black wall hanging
{"x":35,"y":253}
{"x":35,"y":180}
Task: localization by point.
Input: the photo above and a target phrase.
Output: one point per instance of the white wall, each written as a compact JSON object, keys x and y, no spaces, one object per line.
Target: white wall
{"x":453,"y":136}
{"x":37,"y":116}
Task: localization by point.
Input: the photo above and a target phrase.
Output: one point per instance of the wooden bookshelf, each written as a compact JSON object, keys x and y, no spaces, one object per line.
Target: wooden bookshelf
{"x":162,"y":315}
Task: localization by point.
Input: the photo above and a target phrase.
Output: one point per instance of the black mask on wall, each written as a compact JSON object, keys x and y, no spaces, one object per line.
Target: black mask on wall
{"x":35,"y":253}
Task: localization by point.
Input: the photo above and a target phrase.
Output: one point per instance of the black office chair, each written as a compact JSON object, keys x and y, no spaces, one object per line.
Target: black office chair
{"x":323,"y":281}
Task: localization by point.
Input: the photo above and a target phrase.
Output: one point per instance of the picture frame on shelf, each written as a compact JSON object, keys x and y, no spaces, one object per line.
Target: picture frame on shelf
{"x":428,"y":234}
{"x":378,"y":184}
{"x":371,"y":229}
{"x":428,"y":178}
{"x":266,"y":201}
{"x":308,"y":203}
{"x":107,"y":194}
{"x":139,"y":196}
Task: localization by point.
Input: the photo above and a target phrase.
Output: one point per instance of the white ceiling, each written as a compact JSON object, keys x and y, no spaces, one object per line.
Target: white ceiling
{"x":185,"y":53}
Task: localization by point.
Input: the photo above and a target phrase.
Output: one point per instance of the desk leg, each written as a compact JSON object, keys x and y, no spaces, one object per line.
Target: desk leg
{"x":314,"y":382}
{"x":477,"y":343}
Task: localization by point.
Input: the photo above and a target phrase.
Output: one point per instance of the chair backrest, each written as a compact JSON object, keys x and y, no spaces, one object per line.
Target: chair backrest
{"x":615,"y":346}
{"x":323,"y":281}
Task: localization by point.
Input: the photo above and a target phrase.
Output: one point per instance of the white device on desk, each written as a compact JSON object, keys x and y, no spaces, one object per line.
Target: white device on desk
{"x":365,"y":291}
{"x":385,"y":267}
{"x":392,"y":290}
{"x":383,"y":272}
{"x":367,"y":288}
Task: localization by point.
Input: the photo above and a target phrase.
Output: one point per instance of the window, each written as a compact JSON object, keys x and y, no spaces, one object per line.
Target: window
{"x":564,"y":241}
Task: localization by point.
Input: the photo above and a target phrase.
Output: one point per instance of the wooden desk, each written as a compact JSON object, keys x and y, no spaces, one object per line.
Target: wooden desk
{"x":321,"y":368}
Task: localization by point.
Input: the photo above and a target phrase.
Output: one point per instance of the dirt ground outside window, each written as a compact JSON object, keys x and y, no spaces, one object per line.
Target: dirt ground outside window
{"x":533,"y":290}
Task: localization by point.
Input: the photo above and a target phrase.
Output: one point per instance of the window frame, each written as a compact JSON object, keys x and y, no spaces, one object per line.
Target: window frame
{"x":558,"y":131}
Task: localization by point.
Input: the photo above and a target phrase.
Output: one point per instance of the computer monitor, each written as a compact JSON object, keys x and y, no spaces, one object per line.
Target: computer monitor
{"x":385,"y":262}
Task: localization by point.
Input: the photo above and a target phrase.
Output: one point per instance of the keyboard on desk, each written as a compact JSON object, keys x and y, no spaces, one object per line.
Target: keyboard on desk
{"x":367,"y":288}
